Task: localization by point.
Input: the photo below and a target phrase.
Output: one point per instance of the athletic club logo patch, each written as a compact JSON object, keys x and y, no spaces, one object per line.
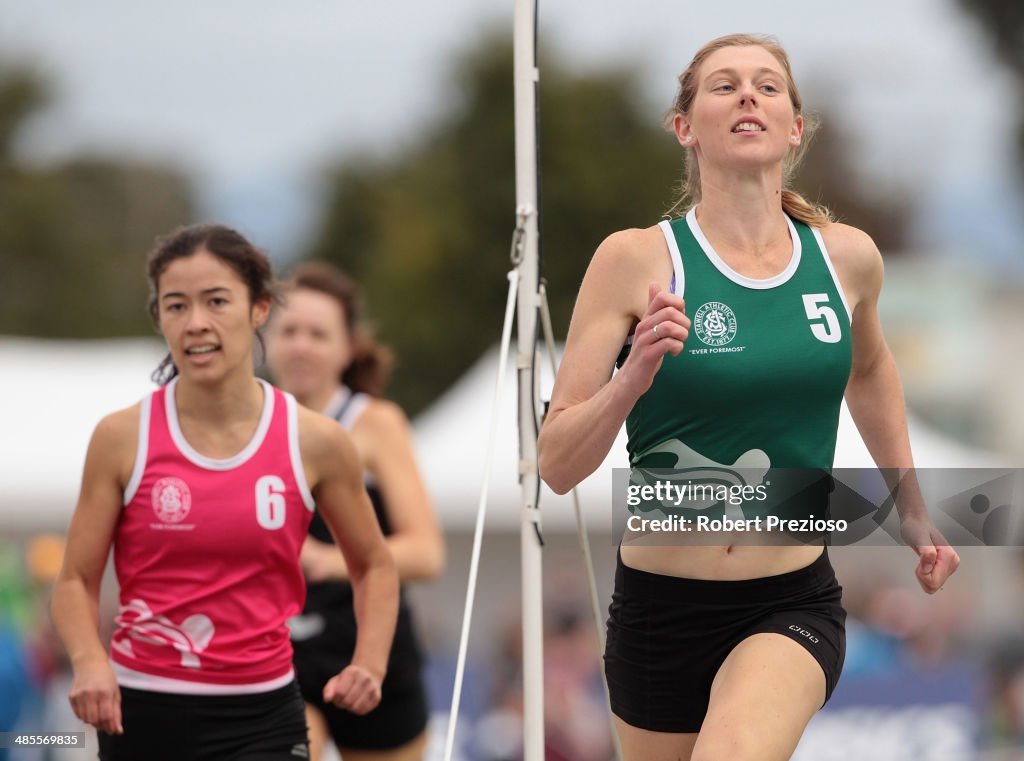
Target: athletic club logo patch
{"x":715,"y":323}
{"x":171,"y":500}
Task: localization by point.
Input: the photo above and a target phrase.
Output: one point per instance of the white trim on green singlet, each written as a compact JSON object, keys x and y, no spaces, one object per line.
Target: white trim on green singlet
{"x":677,"y":258}
{"x":736,"y":277}
{"x":835,"y":277}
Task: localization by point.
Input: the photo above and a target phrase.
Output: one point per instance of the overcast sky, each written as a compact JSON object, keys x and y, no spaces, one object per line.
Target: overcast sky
{"x":252,"y":96}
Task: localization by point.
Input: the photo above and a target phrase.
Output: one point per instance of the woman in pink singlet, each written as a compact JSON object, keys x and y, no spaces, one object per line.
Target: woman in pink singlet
{"x":205,"y":490}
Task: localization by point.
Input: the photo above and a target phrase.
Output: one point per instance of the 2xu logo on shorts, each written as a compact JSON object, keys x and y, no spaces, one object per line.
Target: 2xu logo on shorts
{"x":803,"y":633}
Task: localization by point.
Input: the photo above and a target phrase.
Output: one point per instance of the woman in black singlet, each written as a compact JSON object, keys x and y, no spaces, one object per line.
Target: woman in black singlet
{"x":320,"y":351}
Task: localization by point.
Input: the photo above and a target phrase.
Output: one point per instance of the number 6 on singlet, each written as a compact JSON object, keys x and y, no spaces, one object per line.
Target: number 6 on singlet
{"x":270,"y":502}
{"x":816,"y":306}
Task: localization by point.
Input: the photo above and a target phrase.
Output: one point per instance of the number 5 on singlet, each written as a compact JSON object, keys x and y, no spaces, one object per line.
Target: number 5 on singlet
{"x":816,"y":306}
{"x":270,"y":511}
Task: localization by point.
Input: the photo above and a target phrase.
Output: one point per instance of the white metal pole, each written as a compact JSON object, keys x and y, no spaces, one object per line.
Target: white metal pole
{"x":481,"y":514}
{"x":525,"y":91}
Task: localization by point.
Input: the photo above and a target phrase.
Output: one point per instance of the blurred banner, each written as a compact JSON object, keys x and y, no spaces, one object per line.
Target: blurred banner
{"x":711,"y":503}
{"x":905,"y":713}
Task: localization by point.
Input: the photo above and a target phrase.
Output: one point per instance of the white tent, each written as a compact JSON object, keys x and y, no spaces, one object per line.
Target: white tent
{"x":53,"y":393}
{"x":451,"y":441}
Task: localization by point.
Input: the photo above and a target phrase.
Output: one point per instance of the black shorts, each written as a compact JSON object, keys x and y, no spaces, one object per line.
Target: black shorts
{"x":402,"y":714}
{"x":265,"y":726}
{"x":668,"y":636}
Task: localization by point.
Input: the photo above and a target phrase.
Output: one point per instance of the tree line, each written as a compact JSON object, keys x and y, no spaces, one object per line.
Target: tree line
{"x":425,"y":228}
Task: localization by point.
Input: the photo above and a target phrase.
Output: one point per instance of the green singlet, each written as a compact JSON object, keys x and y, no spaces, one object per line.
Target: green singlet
{"x":760,"y":381}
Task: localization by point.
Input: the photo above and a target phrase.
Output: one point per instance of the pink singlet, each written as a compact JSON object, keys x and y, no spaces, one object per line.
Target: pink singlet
{"x":207,"y":556}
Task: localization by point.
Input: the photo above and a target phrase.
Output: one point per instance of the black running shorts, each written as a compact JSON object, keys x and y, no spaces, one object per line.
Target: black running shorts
{"x":266,"y":726}
{"x":668,"y":636}
{"x":401,"y":716}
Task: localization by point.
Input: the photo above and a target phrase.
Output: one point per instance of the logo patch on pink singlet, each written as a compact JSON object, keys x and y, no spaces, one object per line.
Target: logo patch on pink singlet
{"x":191,"y":637}
{"x":171,"y":500}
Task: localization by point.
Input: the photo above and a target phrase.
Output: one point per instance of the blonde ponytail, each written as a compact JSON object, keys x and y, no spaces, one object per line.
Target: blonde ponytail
{"x":799,"y":208}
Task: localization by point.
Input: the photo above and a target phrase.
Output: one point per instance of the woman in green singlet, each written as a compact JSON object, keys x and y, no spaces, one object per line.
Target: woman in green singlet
{"x":745,"y":322}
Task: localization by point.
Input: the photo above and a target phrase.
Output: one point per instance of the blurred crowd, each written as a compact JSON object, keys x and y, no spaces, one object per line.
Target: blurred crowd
{"x":894,"y":633}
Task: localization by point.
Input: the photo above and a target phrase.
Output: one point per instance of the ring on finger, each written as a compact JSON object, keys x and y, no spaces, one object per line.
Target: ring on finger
{"x":655,"y":329}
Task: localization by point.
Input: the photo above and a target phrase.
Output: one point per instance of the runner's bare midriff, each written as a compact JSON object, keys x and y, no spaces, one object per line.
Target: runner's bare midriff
{"x":720,"y":563}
